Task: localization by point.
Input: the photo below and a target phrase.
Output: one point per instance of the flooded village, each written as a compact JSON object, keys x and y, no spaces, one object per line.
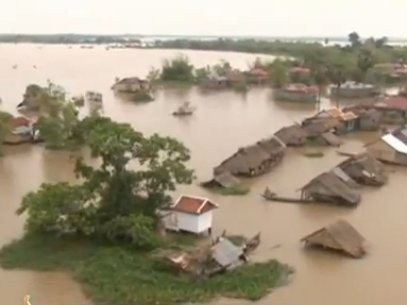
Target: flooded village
{"x":316,"y":173}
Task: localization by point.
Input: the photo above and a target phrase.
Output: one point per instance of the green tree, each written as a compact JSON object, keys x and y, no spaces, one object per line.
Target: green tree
{"x":178,"y":69}
{"x":57,"y":208}
{"x":278,"y":74}
{"x":202,"y":74}
{"x":58,"y":116}
{"x":354,"y":39}
{"x":339,"y":70}
{"x":381,"y":42}
{"x":117,"y":201}
{"x":4,"y":127}
{"x":365,"y":61}
{"x":223,"y":68}
{"x":153,"y":75}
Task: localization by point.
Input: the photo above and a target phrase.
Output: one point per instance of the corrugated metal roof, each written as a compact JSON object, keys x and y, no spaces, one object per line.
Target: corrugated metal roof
{"x":395,"y":143}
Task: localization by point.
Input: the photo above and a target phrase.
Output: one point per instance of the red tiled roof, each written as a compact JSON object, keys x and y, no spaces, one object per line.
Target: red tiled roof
{"x":19,"y":121}
{"x":258,"y":72}
{"x":393,"y":102}
{"x":193,"y":205}
{"x":301,"y":88}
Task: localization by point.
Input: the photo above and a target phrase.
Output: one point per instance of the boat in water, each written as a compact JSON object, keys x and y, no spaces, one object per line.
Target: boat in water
{"x":185,"y":109}
{"x":92,"y":96}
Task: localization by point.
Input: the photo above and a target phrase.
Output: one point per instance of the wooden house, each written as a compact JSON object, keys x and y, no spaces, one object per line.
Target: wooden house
{"x":293,"y":135}
{"x":391,"y":147}
{"x":254,"y":160}
{"x":339,"y":236}
{"x":131,"y":85}
{"x":190,"y":214}
{"x":331,"y":188}
{"x":365,"y":169}
{"x":21,"y":131}
{"x":354,"y":90}
{"x":297,"y":93}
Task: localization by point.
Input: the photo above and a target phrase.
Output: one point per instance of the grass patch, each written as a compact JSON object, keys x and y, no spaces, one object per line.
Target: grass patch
{"x":120,"y":275}
{"x":142,"y":96}
{"x":233,"y":191}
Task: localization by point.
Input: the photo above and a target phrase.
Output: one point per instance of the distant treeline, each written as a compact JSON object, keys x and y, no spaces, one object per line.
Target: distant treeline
{"x":67,"y":39}
{"x":242,"y":45}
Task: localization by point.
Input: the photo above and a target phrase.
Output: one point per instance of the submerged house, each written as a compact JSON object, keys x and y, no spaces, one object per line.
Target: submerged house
{"x":257,"y":76}
{"x":254,"y":160}
{"x":297,"y":93}
{"x":331,"y":188}
{"x":21,"y":131}
{"x":391,"y":148}
{"x":354,"y":90}
{"x":365,"y":169}
{"x":131,"y":85}
{"x":347,"y":120}
{"x":222,"y":180}
{"x":293,"y":135}
{"x":339,"y":236}
{"x":190,"y":214}
{"x":393,"y":109}
{"x":216,"y":82}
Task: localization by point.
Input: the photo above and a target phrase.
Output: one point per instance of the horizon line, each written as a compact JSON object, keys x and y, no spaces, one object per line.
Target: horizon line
{"x":198,"y":35}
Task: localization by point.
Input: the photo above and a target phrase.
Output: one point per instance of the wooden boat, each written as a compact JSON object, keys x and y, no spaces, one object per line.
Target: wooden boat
{"x":185,"y":109}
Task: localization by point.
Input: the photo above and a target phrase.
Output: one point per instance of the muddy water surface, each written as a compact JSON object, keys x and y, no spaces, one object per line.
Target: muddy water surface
{"x":223,"y":122}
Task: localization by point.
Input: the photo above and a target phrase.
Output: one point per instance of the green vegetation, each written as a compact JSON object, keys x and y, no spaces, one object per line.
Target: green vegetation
{"x":278,"y":74}
{"x":58,"y":115}
{"x":119,"y":275}
{"x":114,"y":202}
{"x":4,"y":128}
{"x":234,"y":191}
{"x":178,"y":69}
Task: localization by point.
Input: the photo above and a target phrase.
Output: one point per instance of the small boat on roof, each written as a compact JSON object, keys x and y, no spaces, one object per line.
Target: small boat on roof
{"x":185,"y":109}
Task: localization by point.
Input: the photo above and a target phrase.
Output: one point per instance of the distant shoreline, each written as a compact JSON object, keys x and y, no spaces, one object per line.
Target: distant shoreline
{"x":133,"y":38}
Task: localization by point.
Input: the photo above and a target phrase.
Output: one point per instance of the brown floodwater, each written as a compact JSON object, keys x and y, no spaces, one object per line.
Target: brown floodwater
{"x":223,"y":122}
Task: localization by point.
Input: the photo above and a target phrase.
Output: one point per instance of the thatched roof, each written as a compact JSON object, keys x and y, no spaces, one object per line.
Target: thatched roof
{"x":317,"y":126}
{"x":272,"y":145}
{"x":328,"y":187}
{"x":292,"y":135}
{"x":338,"y":236}
{"x":224,"y":179}
{"x":365,"y":169}
{"x":252,"y":156}
{"x":331,"y":139}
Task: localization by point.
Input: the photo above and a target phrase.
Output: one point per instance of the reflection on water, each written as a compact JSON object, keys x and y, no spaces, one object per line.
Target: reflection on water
{"x":224,"y":121}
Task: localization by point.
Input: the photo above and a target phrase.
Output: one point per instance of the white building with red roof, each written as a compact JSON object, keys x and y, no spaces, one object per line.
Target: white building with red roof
{"x":190,"y":214}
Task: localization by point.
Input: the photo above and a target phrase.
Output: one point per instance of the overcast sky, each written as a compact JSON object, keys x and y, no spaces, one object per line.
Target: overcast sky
{"x":207,"y":17}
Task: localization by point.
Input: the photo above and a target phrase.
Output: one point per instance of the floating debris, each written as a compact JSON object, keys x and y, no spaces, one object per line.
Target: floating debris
{"x":185,"y":109}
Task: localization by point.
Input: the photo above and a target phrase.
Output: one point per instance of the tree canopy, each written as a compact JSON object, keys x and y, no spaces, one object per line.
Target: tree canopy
{"x":119,"y":199}
{"x":4,"y":127}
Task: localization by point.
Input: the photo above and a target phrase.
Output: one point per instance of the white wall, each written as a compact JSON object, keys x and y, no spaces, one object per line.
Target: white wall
{"x":194,"y":223}
{"x":205,"y":221}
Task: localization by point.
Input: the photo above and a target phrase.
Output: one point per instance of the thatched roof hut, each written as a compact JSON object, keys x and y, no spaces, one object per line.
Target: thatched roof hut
{"x":330,"y":188}
{"x":293,"y":135}
{"x":225,"y":180}
{"x":255,"y":159}
{"x":340,"y":236}
{"x":365,"y":169}
{"x":330,"y":139}
{"x":316,"y":126}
